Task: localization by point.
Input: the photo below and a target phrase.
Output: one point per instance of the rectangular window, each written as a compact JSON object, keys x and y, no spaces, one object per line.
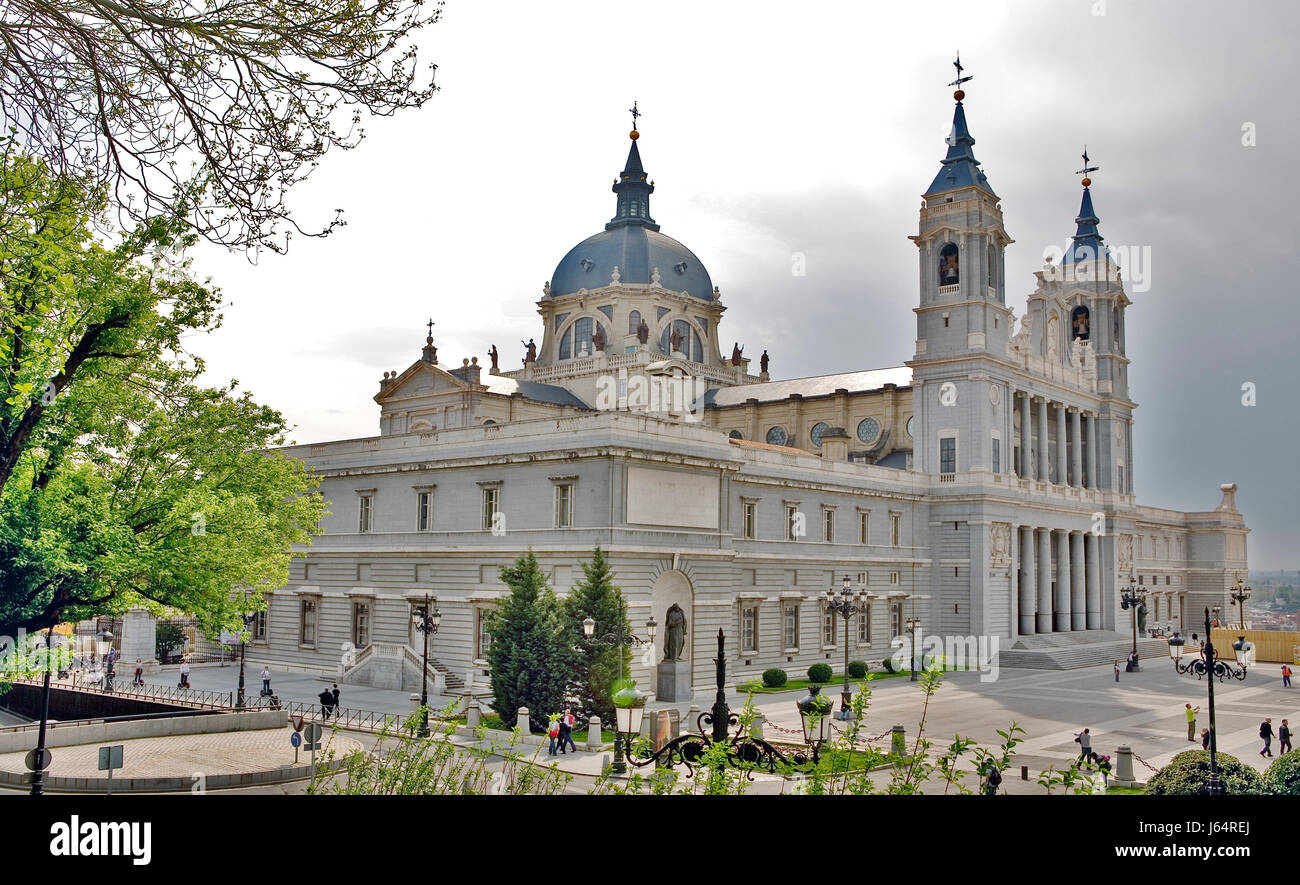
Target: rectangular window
{"x":491,"y":504}
{"x":1122,"y":489}
{"x":828,"y":627}
{"x":864,"y":526}
{"x":948,"y":454}
{"x":893,"y":578}
{"x":361,"y":624}
{"x":424,"y":511}
{"x":864,"y":626}
{"x":363,"y":513}
{"x":259,"y":627}
{"x":482,"y":637}
{"x":748,"y":517}
{"x":307,"y":621}
{"x":563,"y":506}
{"x":997,"y":455}
{"x":828,"y":525}
{"x":749,"y":626}
{"x":792,"y":521}
{"x":895,"y":529}
{"x":896,"y":619}
{"x":791,"y":625}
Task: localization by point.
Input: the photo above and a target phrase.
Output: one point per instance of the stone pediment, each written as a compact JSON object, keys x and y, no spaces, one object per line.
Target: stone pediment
{"x":420,"y":380}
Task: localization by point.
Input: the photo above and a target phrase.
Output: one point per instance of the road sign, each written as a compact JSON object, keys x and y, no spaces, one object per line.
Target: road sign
{"x":312,"y":735}
{"x":38,"y":763}
{"x":109,"y":759}
{"x":295,"y":719}
{"x":295,"y":740}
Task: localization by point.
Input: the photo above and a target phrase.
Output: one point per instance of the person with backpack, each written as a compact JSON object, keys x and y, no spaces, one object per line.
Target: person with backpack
{"x":1084,"y":740}
{"x":993,"y":780}
{"x":1266,"y":732}
{"x":1284,"y":738}
{"x":567,"y":721}
{"x":553,"y":732}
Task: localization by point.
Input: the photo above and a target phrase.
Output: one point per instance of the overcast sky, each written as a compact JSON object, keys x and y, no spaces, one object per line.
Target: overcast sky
{"x":775,"y":128}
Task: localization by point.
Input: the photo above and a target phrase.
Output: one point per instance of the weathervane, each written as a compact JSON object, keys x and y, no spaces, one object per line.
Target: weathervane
{"x":960,"y":79}
{"x":635,"y":113}
{"x":1086,"y":168}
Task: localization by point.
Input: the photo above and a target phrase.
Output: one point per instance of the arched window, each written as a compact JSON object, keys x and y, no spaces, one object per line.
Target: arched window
{"x":1080,"y":323}
{"x":697,"y":349}
{"x":566,"y":345}
{"x":633,"y":321}
{"x":993,"y":261}
{"x":664,"y":339}
{"x":582,"y":328}
{"x":949,"y":272}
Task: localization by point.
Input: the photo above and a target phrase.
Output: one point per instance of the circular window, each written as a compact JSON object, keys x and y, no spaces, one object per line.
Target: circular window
{"x":909,"y":426}
{"x":736,"y":434}
{"x":776,"y":436}
{"x":816,"y":433}
{"x":868,"y":430}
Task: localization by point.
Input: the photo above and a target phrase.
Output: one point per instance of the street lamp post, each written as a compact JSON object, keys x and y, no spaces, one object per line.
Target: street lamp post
{"x":913,"y":625}
{"x":1207,"y":664}
{"x":1240,"y":593}
{"x":632,"y":717}
{"x":243,"y":651}
{"x":846,"y":606}
{"x":426,"y":622}
{"x":38,"y":775}
{"x":1131,"y":599}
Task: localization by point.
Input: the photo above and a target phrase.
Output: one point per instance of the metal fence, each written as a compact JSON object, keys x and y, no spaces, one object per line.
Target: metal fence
{"x":354,"y":720}
{"x":190,"y":697}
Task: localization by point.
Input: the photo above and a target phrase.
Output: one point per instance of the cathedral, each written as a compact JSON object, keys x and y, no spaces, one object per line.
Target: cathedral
{"x":982,"y":489}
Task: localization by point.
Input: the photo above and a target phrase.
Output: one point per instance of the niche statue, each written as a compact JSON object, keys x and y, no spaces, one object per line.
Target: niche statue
{"x":674,"y":633}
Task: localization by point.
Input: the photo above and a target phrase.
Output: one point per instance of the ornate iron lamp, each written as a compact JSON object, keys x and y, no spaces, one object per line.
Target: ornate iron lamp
{"x":1207,"y":664}
{"x":426,"y":622}
{"x":846,"y":606}
{"x":1130,"y":599}
{"x":1239,"y":593}
{"x":815,"y":715}
{"x":629,"y":704}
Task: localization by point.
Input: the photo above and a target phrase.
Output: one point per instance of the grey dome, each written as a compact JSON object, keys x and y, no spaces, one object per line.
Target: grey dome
{"x":636,"y":251}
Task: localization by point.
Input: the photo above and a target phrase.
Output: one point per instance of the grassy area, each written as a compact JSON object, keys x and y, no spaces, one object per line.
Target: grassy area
{"x":802,"y":685}
{"x":1124,"y":791}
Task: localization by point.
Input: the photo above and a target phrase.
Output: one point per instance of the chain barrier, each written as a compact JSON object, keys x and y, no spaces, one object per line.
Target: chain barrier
{"x":1148,"y":765}
{"x":799,"y":732}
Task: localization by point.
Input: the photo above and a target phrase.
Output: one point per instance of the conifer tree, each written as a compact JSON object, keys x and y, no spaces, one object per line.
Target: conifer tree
{"x":530,"y":658}
{"x":598,"y":663}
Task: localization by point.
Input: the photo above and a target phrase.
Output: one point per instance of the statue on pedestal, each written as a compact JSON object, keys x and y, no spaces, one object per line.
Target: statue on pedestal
{"x":642,"y":332}
{"x":674,"y":633}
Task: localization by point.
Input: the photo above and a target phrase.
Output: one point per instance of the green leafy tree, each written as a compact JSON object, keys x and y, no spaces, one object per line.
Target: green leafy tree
{"x":531,"y":660}
{"x":1188,"y":774}
{"x":598,"y":664}
{"x":123,"y":480}
{"x":167,"y":637}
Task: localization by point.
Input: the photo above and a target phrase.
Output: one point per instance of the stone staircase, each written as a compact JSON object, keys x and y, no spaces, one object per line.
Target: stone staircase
{"x":396,"y":666}
{"x":1077,"y":649}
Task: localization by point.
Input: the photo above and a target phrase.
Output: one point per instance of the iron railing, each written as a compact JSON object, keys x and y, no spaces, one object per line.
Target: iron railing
{"x":206,"y":700}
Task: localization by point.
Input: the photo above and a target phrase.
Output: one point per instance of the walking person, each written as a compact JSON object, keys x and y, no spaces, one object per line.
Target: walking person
{"x":567,"y":721}
{"x":1117,"y":669}
{"x":266,"y":681}
{"x":326,"y":702}
{"x":553,"y":732}
{"x":1286,"y":676}
{"x":185,"y":673}
{"x":335,"y":696}
{"x":1284,"y":738}
{"x":1205,"y":739}
{"x":1084,"y":740}
{"x":1266,"y":732}
{"x":1191,"y":722}
{"x":993,"y":780}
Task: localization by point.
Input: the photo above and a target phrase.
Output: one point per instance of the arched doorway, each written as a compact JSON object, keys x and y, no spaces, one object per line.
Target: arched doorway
{"x":672,"y":588}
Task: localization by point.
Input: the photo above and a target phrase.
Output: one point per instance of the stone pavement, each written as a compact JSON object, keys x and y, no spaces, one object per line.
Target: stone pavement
{"x":185,"y":755}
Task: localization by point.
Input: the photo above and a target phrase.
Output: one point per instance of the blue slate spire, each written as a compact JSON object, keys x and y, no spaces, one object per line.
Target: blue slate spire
{"x":960,"y":168}
{"x":1087,"y":243}
{"x":633,"y":192}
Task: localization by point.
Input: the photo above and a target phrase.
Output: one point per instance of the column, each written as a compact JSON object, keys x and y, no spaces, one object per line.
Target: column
{"x":1078,"y":597}
{"x":1062,"y":460}
{"x":1028,"y":595}
{"x":1076,"y":448}
{"x":1092,"y":557}
{"x":1061,"y":602}
{"x":1015,"y":576}
{"x":1044,"y":579}
{"x":1092,"y":451}
{"x":1042,"y":441}
{"x":1026,"y":435}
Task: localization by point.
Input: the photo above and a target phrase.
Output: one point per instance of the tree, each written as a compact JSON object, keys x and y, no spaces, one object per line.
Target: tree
{"x":123,"y":481}
{"x":167,"y":636}
{"x":205,"y":109}
{"x":530,"y":657}
{"x":597,"y":664}
{"x":1188,"y":774}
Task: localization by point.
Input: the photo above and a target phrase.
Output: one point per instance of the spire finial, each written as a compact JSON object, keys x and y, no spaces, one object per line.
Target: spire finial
{"x":430,"y":324}
{"x":635,"y":113}
{"x":1086,"y":168}
{"x":959,"y":94}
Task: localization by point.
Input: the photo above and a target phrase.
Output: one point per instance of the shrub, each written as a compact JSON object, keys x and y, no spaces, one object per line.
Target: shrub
{"x":1188,"y":774}
{"x":888,"y":664}
{"x":819,"y":673}
{"x":1283,"y":776}
{"x":857,"y":669}
{"x":774,"y":678}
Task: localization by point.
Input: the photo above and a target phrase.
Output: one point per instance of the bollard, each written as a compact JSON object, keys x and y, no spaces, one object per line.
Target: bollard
{"x":898,"y":743}
{"x":473,"y":715}
{"x":1123,"y":776}
{"x":415,"y":702}
{"x":593,"y":733}
{"x":1024,"y":772}
{"x":524,"y":728}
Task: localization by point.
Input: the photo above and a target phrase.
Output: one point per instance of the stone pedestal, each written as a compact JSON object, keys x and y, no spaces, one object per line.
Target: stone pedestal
{"x":1123,"y":776}
{"x":593,"y":733}
{"x":674,"y":682}
{"x":139,"y":641}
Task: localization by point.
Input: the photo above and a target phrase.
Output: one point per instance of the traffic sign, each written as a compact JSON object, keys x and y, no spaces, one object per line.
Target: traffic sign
{"x":295,"y":719}
{"x":313,"y":733}
{"x":295,"y":740}
{"x":110,"y":758}
{"x":38,"y":763}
